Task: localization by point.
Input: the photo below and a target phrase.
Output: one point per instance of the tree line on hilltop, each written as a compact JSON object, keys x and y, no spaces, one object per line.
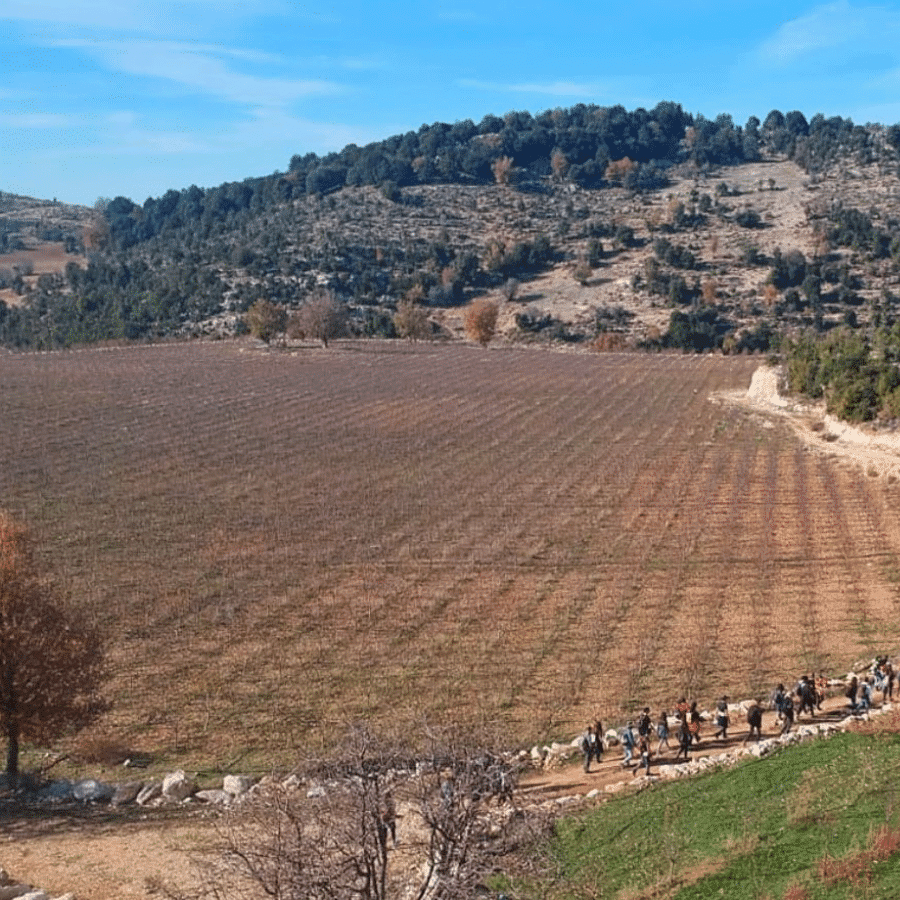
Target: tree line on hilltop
{"x":163,"y":267}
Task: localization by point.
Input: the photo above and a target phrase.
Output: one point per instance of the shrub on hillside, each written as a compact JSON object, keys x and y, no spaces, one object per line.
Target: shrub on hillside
{"x":480,"y":321}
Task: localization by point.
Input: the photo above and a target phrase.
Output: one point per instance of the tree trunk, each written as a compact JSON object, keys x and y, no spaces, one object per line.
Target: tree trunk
{"x":12,"y":755}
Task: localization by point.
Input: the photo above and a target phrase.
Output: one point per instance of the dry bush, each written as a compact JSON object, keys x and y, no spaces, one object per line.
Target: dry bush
{"x":559,"y":163}
{"x":510,"y":289}
{"x":332,"y":835}
{"x":480,"y":321}
{"x":770,"y":295}
{"x":618,"y":170}
{"x":710,"y":290}
{"x":265,"y":320}
{"x":502,"y":168}
{"x":411,"y":321}
{"x":888,"y":723}
{"x":103,"y":750}
{"x":322,"y":317}
{"x":856,"y":867}
{"x":582,"y":272}
{"x":609,"y":341}
{"x":795,"y":892}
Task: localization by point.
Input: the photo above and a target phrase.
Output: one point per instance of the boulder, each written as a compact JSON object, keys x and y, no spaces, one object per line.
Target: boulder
{"x":237,"y":784}
{"x":9,"y":891}
{"x":177,"y":786}
{"x":126,"y":793}
{"x":59,"y":791}
{"x":148,"y":793}
{"x":89,"y":790}
{"x":216,"y":797}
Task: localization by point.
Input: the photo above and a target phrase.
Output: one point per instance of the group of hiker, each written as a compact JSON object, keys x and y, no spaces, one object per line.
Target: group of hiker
{"x":637,"y":737}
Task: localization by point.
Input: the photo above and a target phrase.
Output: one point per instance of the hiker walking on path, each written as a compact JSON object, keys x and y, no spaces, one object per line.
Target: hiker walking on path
{"x":722,"y":718}
{"x":888,"y":690}
{"x":787,"y":710}
{"x":684,"y":740}
{"x":587,"y":747}
{"x":644,"y":751}
{"x":645,"y":723}
{"x":694,"y":722}
{"x":662,"y":732}
{"x":754,"y":721}
{"x":628,"y":741}
{"x":598,"y":741}
{"x":806,"y":693}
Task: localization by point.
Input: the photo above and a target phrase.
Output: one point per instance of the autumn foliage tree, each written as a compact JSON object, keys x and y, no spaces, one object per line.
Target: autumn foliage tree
{"x":51,"y":657}
{"x":480,"y":321}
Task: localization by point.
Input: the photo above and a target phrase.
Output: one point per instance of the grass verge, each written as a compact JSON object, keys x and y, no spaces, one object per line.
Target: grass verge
{"x":818,"y":820}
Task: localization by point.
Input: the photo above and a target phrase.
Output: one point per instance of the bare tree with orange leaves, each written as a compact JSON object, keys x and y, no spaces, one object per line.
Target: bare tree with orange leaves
{"x":51,"y":657}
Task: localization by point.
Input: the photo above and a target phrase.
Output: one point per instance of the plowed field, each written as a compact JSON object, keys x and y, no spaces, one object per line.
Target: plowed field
{"x":281,"y":542}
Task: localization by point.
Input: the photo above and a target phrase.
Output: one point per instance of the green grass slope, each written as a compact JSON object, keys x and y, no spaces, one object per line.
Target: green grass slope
{"x":817,"y":820}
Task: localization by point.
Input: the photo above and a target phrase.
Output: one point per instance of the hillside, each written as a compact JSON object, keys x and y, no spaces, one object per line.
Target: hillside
{"x":37,"y":237}
{"x":587,"y":226}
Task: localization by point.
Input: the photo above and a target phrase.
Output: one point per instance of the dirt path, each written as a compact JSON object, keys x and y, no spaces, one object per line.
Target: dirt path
{"x":876,"y":453}
{"x":570,"y":779}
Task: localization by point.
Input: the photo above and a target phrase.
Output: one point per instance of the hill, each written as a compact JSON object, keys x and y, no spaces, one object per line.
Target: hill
{"x":589,"y":225}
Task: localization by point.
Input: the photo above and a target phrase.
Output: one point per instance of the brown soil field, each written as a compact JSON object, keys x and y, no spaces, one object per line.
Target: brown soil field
{"x":280,"y":542}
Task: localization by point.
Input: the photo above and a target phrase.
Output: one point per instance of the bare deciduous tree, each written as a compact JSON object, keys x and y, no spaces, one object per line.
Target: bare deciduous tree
{"x":322,"y":318}
{"x":411,"y":321}
{"x":51,"y":657}
{"x":333,"y":836}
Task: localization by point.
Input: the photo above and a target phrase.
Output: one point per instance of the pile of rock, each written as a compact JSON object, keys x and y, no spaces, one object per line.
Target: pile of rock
{"x":176,"y":787}
{"x":10,"y":888}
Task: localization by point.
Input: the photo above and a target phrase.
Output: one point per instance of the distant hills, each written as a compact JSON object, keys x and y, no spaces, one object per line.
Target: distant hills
{"x":620,"y":228}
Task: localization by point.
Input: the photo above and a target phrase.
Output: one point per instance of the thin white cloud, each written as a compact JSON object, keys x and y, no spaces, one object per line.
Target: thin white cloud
{"x":114,"y":15}
{"x":35,"y":120}
{"x":837,"y":24}
{"x":553,"y":88}
{"x":200,"y":68}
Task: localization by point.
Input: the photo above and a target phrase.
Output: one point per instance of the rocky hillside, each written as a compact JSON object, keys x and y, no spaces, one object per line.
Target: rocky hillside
{"x":789,"y":227}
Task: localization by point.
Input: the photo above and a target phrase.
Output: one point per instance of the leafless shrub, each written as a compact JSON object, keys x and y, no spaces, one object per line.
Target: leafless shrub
{"x":559,"y":163}
{"x":411,"y":321}
{"x":619,"y":169}
{"x":510,"y":289}
{"x":371,"y":824}
{"x":322,"y":318}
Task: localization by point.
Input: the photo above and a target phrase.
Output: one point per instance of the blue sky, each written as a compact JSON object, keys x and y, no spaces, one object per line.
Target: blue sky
{"x":108,"y":97}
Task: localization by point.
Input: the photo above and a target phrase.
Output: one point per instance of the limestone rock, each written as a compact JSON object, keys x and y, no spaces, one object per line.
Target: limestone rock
{"x":177,"y":786}
{"x":216,"y":797}
{"x":149,"y":793}
{"x":237,"y":784}
{"x":126,"y":793}
{"x":89,"y":790}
